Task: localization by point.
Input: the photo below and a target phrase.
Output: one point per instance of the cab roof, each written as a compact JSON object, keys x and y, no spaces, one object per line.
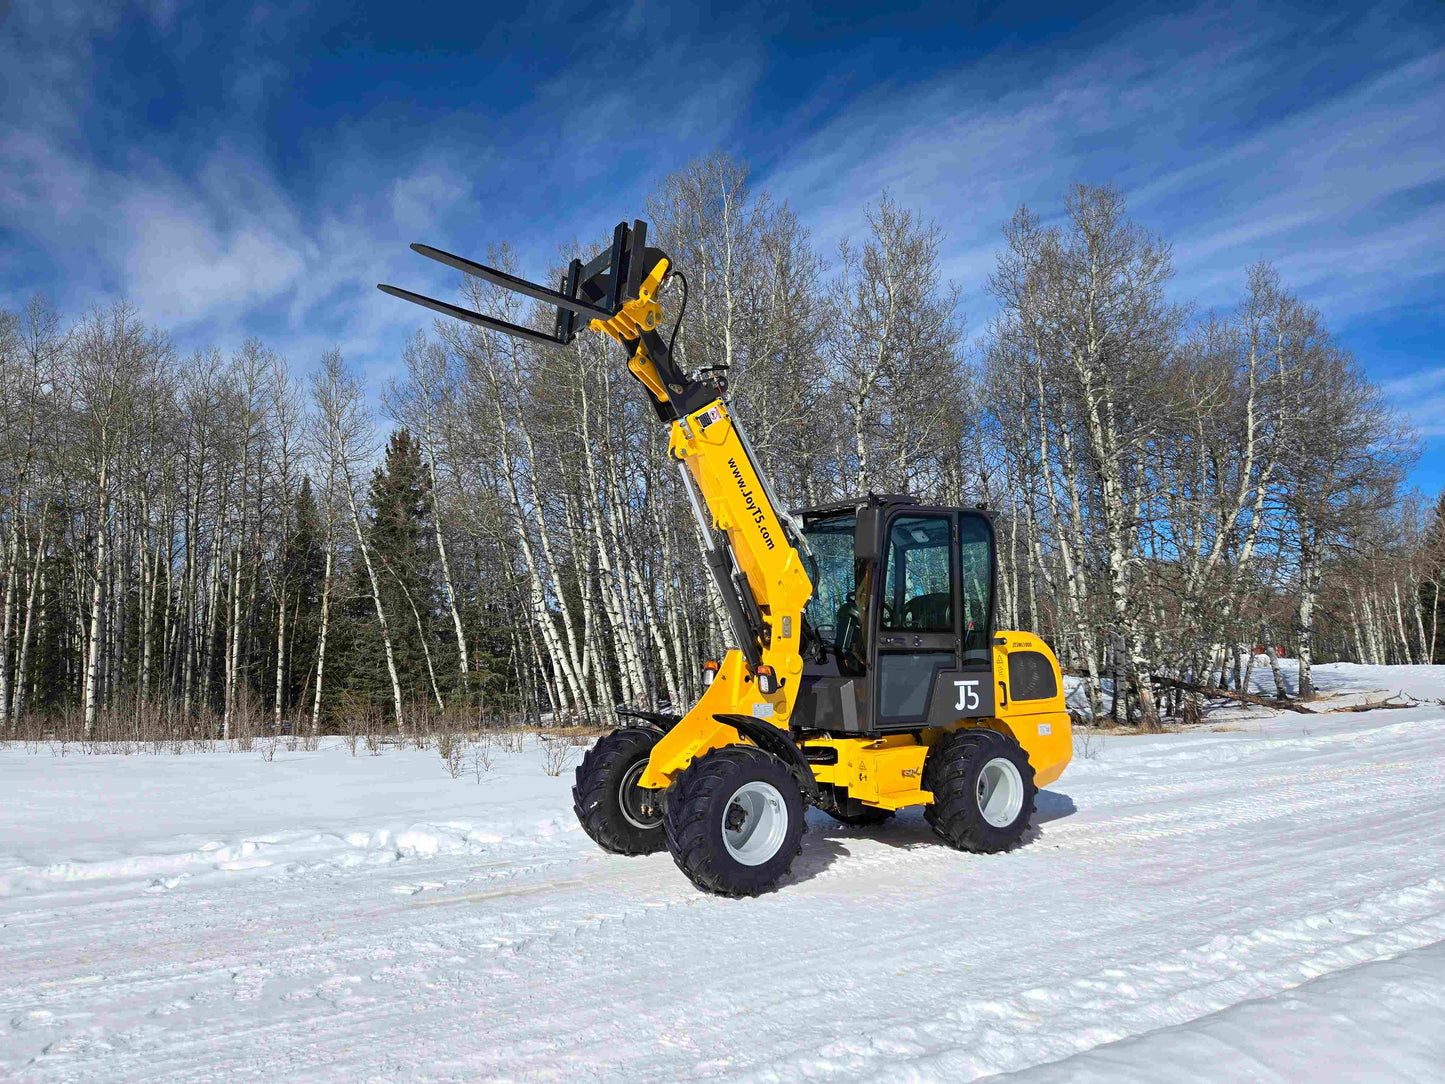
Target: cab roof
{"x":852,"y":504}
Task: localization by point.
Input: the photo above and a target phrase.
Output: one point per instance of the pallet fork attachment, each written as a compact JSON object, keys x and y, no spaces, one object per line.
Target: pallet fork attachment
{"x":616,"y":293}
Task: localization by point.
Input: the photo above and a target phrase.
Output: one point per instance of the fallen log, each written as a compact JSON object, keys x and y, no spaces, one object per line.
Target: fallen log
{"x":1376,"y":706}
{"x":1246,"y":698}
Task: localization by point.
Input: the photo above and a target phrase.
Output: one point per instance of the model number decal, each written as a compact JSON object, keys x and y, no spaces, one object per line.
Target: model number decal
{"x":967,"y":695}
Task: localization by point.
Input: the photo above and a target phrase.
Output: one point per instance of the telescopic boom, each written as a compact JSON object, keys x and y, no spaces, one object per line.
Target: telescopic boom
{"x":752,"y":546}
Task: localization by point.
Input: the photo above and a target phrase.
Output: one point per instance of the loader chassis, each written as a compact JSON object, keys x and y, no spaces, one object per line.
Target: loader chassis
{"x":866,"y":668}
{"x":911,"y":667}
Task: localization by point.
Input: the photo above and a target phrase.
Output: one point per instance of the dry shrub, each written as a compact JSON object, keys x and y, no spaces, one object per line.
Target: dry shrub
{"x":511,"y":741}
{"x":294,"y":727}
{"x":245,"y":724}
{"x":358,"y":718}
{"x":1088,"y":742}
{"x":482,"y":756}
{"x":556,"y":754}
{"x":451,"y":747}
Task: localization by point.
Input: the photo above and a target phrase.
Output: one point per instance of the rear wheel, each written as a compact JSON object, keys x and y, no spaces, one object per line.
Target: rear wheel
{"x":983,"y":791}
{"x":613,"y":810}
{"x":734,"y":821}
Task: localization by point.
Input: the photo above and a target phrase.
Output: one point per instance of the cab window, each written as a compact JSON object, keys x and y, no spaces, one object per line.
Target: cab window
{"x":975,"y":564}
{"x":831,"y":544}
{"x":918,"y":589}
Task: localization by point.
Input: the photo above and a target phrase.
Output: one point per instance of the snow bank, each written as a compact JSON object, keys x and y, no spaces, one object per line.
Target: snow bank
{"x":1338,"y":684}
{"x":1259,"y":902}
{"x":1381,"y":1021}
{"x":103,"y":817}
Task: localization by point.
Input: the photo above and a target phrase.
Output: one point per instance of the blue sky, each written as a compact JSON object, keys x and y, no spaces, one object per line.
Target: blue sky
{"x":235,"y":170}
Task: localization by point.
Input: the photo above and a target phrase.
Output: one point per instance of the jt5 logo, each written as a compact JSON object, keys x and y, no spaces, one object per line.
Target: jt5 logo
{"x":967,"y":695}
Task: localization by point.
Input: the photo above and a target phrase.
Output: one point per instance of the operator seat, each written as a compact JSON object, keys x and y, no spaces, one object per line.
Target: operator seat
{"x":934,"y":611}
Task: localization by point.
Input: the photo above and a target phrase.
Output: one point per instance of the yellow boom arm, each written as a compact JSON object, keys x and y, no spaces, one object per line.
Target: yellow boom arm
{"x":758,"y":569}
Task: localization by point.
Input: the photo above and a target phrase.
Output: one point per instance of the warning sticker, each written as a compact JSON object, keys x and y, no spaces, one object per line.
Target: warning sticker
{"x":1045,"y":728}
{"x":762,"y":711}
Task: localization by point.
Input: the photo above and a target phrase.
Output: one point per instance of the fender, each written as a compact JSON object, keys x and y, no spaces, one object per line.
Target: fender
{"x":771,"y":739}
{"x":659,"y":721}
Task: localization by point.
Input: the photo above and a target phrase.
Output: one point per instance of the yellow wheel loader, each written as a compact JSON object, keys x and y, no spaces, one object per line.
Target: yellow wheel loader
{"x":866,"y":675}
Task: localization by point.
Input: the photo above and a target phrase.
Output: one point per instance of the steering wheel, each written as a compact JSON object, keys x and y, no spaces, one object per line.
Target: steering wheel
{"x":850,"y":609}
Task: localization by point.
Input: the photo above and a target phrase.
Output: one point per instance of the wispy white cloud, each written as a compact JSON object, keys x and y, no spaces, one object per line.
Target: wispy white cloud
{"x":218,"y":237}
{"x":1426,"y":380}
{"x":1420,"y":397}
{"x":1427,"y":414}
{"x":1333,"y":191}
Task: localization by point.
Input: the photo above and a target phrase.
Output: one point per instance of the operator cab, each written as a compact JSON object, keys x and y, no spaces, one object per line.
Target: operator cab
{"x":901,"y":616}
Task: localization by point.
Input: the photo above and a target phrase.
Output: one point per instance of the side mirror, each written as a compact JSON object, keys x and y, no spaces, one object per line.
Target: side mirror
{"x":866,"y":534}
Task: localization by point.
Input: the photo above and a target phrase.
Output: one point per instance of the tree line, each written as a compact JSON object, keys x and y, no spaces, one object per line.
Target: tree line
{"x":217,"y":544}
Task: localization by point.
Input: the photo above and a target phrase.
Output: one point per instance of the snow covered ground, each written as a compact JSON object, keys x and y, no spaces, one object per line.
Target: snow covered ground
{"x":1261,"y":899}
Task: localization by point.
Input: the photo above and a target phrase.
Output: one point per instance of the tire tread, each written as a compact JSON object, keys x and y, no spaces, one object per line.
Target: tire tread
{"x":590,"y":793}
{"x":950,"y":772}
{"x":686,"y":814}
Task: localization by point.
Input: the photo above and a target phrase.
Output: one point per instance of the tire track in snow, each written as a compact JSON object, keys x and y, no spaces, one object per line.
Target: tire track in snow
{"x":1036,"y":955}
{"x":1204,"y":978}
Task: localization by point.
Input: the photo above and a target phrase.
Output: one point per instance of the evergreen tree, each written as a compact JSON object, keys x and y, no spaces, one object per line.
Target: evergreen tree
{"x":305,"y":567}
{"x":400,"y":536}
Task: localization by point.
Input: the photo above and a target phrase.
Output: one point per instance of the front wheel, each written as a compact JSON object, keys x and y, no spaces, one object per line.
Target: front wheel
{"x":983,"y":791}
{"x":613,"y":810}
{"x":734,"y":821}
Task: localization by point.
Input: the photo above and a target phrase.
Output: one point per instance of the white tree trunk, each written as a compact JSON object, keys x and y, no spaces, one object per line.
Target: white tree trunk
{"x":1400,"y":624}
{"x":325,"y":622}
{"x":12,"y":568}
{"x":37,"y":589}
{"x":92,"y":658}
{"x":1308,"y":587}
{"x":375,"y":582}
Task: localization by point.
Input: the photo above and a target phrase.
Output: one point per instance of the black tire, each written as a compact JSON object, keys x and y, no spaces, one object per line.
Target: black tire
{"x":864,"y":819}
{"x":606,"y":798}
{"x":701,"y":816}
{"x":953,"y":773}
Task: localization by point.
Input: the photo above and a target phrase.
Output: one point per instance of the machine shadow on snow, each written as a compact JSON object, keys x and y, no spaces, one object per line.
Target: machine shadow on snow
{"x":1052,"y":805}
{"x":827,"y":839}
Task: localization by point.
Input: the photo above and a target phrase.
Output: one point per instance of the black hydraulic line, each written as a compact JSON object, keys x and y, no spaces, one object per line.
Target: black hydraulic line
{"x":662,"y":720}
{"x":681,"y":310}
{"x":719,"y":561}
{"x":750,"y":603}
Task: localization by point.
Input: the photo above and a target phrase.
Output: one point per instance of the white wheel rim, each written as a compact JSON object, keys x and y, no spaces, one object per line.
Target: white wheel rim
{"x":626,"y":799}
{"x":755,"y":820}
{"x":1000,"y":792}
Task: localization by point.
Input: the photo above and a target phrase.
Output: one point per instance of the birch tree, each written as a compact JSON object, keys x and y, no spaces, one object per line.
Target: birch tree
{"x":340,"y":403}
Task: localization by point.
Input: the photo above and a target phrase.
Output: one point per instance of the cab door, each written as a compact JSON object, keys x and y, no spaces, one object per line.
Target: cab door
{"x":916,"y":612}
